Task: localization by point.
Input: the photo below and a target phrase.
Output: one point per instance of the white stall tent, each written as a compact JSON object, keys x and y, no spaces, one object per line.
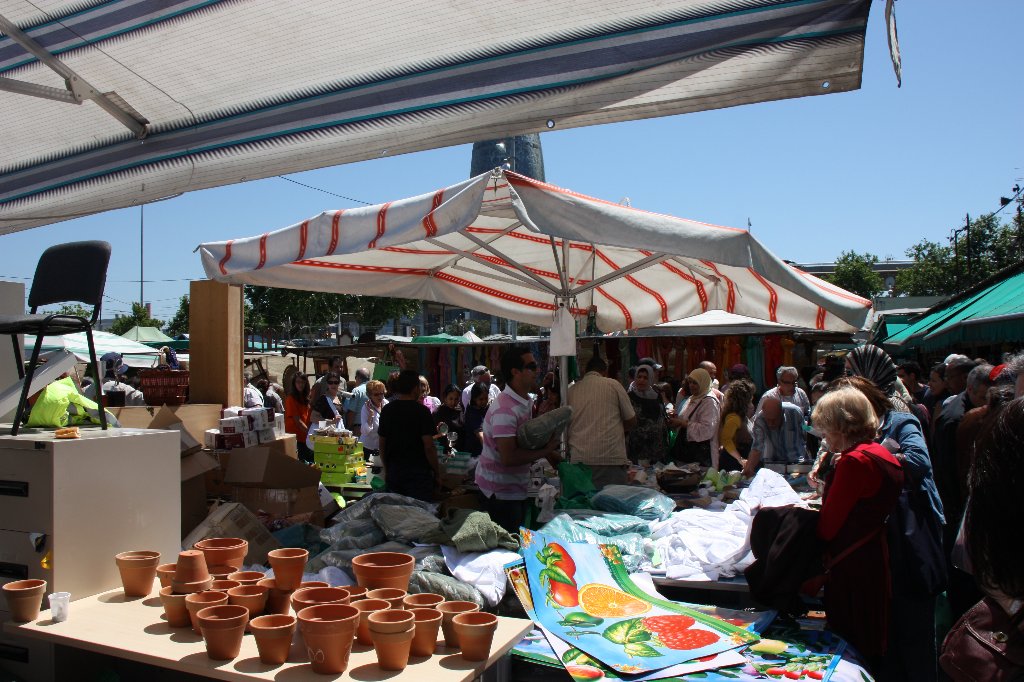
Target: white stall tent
{"x":134,"y":354}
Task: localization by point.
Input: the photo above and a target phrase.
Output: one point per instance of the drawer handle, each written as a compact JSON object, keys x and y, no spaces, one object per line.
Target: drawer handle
{"x":11,"y":652}
{"x":14,"y":488}
{"x":13,"y":571}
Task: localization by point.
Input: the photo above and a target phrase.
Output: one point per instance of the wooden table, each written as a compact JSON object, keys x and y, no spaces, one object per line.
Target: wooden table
{"x":135,"y":629}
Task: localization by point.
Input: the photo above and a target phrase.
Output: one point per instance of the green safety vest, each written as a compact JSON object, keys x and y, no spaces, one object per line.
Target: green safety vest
{"x":60,"y":404}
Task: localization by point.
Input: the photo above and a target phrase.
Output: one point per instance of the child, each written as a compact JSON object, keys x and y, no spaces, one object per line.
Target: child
{"x":472,"y":436}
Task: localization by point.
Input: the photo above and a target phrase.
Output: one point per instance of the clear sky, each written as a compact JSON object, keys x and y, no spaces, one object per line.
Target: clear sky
{"x":873,"y":170}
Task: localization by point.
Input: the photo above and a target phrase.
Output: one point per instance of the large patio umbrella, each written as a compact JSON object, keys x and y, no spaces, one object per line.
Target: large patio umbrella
{"x":505,"y":244}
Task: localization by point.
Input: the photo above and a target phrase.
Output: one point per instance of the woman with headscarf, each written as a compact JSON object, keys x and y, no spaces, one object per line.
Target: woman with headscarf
{"x":700,"y":418}
{"x":647,"y":439}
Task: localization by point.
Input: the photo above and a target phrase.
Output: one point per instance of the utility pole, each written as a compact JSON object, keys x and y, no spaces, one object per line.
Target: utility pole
{"x":142,"y":256}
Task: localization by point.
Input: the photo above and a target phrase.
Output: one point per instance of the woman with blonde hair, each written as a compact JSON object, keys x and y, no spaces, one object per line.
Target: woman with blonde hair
{"x":861,"y":490}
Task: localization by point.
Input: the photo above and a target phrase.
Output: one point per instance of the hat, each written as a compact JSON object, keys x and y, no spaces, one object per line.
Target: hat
{"x":651,"y":362}
{"x":112,"y":362}
{"x":738,"y":370}
{"x":478,"y":370}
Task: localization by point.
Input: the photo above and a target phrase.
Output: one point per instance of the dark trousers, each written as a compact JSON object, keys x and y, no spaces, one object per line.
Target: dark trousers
{"x":911,"y":654}
{"x":509,"y":514}
{"x":305,"y":454}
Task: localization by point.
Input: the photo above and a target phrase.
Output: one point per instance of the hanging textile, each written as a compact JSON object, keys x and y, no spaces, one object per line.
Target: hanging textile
{"x":754,"y":354}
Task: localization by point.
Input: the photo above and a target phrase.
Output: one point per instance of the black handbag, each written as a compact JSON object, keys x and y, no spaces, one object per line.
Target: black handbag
{"x":915,"y":543}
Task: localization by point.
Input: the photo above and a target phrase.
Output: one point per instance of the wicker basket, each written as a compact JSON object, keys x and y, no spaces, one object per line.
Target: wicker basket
{"x":164,"y":386}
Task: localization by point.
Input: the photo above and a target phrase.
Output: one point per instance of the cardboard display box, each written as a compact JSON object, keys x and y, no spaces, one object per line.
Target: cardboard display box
{"x":266,"y":481}
{"x":215,"y":483}
{"x":233,"y":520}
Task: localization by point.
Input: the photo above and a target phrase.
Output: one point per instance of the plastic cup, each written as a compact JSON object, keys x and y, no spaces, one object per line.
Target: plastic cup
{"x":60,"y":603}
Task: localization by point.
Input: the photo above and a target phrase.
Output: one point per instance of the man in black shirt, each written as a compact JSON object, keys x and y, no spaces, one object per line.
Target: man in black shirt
{"x":407,"y":442}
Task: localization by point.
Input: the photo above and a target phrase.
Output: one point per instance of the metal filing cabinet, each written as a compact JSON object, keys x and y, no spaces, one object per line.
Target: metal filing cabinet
{"x":68,"y":506}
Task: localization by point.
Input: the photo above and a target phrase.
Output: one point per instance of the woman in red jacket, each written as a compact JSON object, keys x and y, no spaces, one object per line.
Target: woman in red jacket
{"x":860,"y":492}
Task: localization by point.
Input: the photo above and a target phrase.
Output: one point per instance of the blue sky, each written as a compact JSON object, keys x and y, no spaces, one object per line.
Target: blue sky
{"x":874,"y":170}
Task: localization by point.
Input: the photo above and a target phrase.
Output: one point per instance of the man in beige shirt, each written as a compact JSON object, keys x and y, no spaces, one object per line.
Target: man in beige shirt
{"x":601,"y":414}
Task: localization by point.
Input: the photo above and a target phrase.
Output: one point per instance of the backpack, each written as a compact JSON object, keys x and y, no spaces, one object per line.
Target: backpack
{"x":985,"y":645}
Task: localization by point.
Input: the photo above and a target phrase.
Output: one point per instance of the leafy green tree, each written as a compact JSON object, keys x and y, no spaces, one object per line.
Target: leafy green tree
{"x":139,"y":316}
{"x":291,"y":309}
{"x":932,"y":274}
{"x":70,"y":309}
{"x":179,"y":323}
{"x":854,"y":273}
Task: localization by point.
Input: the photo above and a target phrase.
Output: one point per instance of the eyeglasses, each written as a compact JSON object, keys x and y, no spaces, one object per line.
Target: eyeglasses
{"x":532,"y":366}
{"x":333,"y":383}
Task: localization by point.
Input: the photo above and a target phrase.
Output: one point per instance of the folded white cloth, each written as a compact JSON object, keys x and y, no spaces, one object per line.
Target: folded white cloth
{"x":485,"y":571}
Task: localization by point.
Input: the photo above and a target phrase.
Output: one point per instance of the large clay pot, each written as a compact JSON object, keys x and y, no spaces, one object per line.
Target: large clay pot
{"x":224,"y":551}
{"x":223,"y":585}
{"x":392,"y":647}
{"x":191,"y":567}
{"x":138,"y":570}
{"x":365,"y":608}
{"x":165,"y":572}
{"x":390,"y":621}
{"x":383,"y":569}
{"x":328,"y":631}
{"x":197,"y":601}
{"x":273,"y":635}
{"x":174,"y":608}
{"x":247,"y":577}
{"x":449,"y":610}
{"x":424,"y":640}
{"x":288,"y":564}
{"x":475,"y":631}
{"x":424,"y":600}
{"x":252,"y":597}
{"x":223,"y":628}
{"x":222,"y":572}
{"x":314,"y":596}
{"x":278,"y":600}
{"x":391,"y":595}
{"x":24,"y":599}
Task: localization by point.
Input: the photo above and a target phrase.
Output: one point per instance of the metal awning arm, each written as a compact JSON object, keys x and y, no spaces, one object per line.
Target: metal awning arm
{"x":518,"y":266}
{"x":622,"y":272}
{"x":78,"y":89}
{"x":560,"y":267}
{"x":532,"y":282}
{"x":501,"y":234}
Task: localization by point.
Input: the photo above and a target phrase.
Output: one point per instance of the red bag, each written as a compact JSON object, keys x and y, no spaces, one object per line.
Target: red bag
{"x":985,"y":645}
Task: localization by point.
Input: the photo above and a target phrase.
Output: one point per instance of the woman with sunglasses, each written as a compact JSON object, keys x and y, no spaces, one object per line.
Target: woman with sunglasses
{"x":375,"y":402}
{"x":296,"y":414}
{"x":329,"y":406}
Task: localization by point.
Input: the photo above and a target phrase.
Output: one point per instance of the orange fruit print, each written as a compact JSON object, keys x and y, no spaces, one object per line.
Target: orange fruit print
{"x":603,"y":601}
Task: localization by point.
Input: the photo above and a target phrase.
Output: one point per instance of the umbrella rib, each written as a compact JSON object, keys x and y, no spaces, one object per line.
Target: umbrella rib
{"x":518,"y":266}
{"x":558,"y":264}
{"x":622,"y":272}
{"x":544,"y":286}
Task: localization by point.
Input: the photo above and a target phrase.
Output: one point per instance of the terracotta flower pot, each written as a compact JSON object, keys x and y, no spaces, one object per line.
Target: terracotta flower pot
{"x":197,"y":601}
{"x":424,"y":640}
{"x":449,"y":610}
{"x":165,"y":572}
{"x":24,"y":599}
{"x":247,"y":577}
{"x":475,"y":631}
{"x":365,"y":608}
{"x":355,"y":592}
{"x":391,"y":595}
{"x":223,"y":584}
{"x":223,"y":628}
{"x":278,"y":600}
{"x":424,"y":600}
{"x":273,"y":635}
{"x":328,"y":631}
{"x":314,"y":596}
{"x":383,"y":569}
{"x":174,"y":608}
{"x":189,"y":588}
{"x":392,"y":647}
{"x":288,"y":564}
{"x":223,"y":551}
{"x":138,"y":570}
{"x":222,"y":572}
{"x":191,"y":567}
{"x":390,"y":621}
{"x":316,"y":583}
{"x":252,"y":597}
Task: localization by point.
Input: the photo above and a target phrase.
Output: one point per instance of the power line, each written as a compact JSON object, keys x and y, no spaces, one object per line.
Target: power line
{"x":333,"y":194}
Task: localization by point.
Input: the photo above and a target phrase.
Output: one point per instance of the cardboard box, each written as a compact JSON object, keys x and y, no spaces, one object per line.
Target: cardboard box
{"x":234,"y":425}
{"x":196,"y":418}
{"x":258,"y":417}
{"x":215,"y":484}
{"x":233,"y":520}
{"x":273,"y":483}
{"x":194,"y":468}
{"x":266,"y":436}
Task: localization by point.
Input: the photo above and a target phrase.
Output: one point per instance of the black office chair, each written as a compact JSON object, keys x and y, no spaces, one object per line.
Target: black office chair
{"x":76,"y":271}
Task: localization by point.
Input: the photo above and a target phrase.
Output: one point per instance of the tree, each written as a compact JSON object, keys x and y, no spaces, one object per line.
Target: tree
{"x":854,"y":273}
{"x":179,"y":323}
{"x":290,"y":309}
{"x":138,"y":317}
{"x":70,"y":309}
{"x":932,"y":274}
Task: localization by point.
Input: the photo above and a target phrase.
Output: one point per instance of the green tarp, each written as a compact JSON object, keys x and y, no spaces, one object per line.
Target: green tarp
{"x":146,"y":335}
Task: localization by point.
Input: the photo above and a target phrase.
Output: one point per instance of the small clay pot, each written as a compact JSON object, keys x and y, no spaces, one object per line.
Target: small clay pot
{"x":278,"y":600}
{"x":328,"y":631}
{"x":174,"y":608}
{"x":365,"y":608}
{"x":475,"y":631}
{"x":392,"y":647}
{"x":165,"y":572}
{"x":191,"y":567}
{"x":252,"y":597}
{"x":273,"y":635}
{"x":355,"y":592}
{"x":224,"y":551}
{"x":222,"y":572}
{"x":288,"y":564}
{"x":424,"y":640}
{"x":189,"y":588}
{"x":223,"y":584}
{"x":315,"y":583}
{"x":450,"y":609}
{"x":24,"y":599}
{"x":138,"y":570}
{"x":222,"y":628}
{"x":247,"y":577}
{"x":424,"y":600}
{"x":391,"y":595}
{"x":313,"y":596}
{"x":390,"y":621}
{"x":383,"y":569}
{"x":197,"y":601}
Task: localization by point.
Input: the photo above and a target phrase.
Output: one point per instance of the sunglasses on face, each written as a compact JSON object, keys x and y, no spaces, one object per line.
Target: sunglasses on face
{"x":532,"y":366}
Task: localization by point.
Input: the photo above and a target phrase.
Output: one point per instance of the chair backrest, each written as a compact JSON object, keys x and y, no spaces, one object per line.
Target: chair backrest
{"x":76,"y":271}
